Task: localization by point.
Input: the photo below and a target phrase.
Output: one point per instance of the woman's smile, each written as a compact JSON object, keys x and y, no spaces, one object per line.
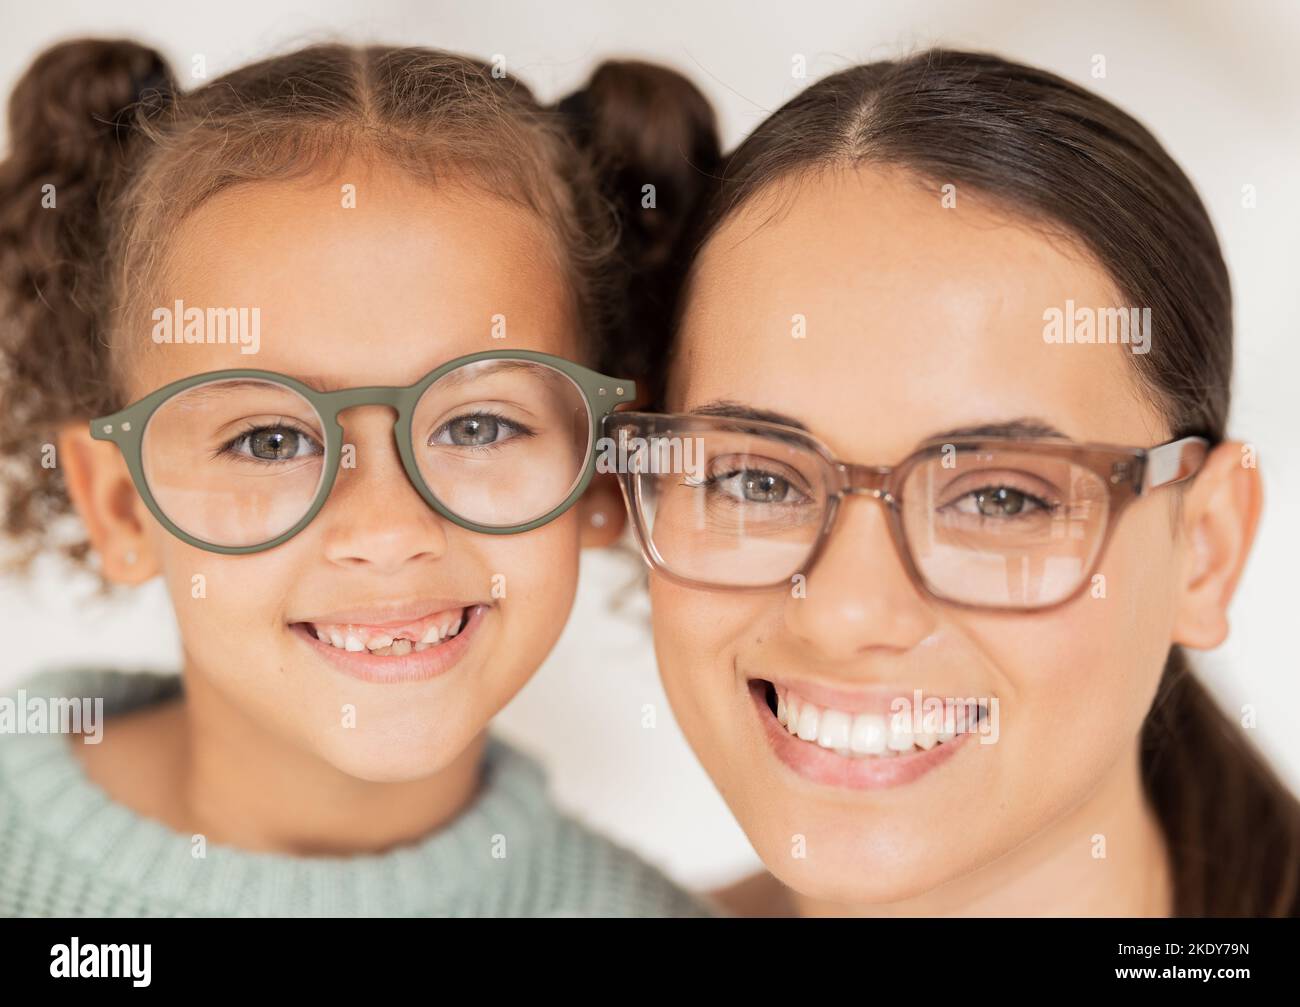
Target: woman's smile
{"x":868,"y":739}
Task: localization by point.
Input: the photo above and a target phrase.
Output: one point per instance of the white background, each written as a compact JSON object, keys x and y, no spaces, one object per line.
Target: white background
{"x":1218,"y":83}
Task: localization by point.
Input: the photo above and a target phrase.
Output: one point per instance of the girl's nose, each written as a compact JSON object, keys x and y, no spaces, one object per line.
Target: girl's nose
{"x":374,"y":516}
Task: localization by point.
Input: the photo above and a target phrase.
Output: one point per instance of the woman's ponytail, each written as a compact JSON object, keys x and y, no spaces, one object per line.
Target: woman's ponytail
{"x":1231,"y":826}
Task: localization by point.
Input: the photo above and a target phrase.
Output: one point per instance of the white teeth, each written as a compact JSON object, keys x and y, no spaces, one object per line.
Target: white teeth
{"x":833,"y":730}
{"x":868,"y":734}
{"x":809,"y":717}
{"x":854,"y":735}
{"x":437,"y":633}
{"x":358,"y":638}
{"x":900,"y":738}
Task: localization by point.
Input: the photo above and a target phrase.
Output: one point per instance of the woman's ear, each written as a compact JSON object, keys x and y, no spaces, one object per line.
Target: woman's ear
{"x":101,"y":489}
{"x":601,"y":512}
{"x":1220,"y":511}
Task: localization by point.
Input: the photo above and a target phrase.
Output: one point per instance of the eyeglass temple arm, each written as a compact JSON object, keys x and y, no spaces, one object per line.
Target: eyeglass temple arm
{"x":1174,"y":462}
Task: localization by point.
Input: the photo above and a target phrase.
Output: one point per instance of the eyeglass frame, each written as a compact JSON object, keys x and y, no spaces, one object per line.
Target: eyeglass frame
{"x":126,"y":428}
{"x":1133,"y":473}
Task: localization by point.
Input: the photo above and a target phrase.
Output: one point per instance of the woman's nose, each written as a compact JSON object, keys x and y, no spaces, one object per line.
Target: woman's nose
{"x":374,"y":516}
{"x":858,"y":597}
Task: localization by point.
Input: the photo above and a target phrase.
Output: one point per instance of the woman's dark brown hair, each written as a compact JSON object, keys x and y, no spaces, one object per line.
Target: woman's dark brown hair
{"x":1055,"y":153}
{"x":107,"y":154}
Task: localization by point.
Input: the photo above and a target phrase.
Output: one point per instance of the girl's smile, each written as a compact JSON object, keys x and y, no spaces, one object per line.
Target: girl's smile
{"x":408,"y":650}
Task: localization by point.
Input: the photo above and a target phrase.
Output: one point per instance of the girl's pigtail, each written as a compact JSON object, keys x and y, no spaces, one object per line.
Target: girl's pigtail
{"x":652,"y":141}
{"x":73,"y":122}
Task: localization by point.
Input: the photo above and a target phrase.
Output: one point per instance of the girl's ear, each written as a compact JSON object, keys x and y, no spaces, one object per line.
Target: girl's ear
{"x":1220,"y":511}
{"x":101,"y":489}
{"x":600,"y":510}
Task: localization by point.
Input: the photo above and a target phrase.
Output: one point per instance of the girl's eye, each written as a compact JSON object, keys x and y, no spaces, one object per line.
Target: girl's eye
{"x":273,"y":444}
{"x":999,"y":502}
{"x":476,"y":430}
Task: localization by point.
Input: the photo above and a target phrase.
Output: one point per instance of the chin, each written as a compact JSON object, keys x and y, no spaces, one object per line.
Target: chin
{"x":849,"y":881}
{"x":856,"y":866}
{"x":390,"y":757}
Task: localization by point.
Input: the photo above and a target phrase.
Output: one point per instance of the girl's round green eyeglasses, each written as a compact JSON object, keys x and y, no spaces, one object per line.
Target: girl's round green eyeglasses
{"x":239,"y":461}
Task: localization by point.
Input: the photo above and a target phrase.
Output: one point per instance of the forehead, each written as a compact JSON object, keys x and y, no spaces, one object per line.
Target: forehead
{"x":379,"y":292}
{"x":856,"y":302}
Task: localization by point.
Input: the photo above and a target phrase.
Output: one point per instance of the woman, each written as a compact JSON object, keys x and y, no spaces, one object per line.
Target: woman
{"x":953,"y":369}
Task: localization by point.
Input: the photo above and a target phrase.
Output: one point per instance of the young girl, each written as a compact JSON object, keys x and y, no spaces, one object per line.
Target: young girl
{"x":302,"y":340}
{"x":956,"y":348}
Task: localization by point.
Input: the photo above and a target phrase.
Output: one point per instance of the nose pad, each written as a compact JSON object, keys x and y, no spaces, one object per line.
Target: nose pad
{"x":860,"y":595}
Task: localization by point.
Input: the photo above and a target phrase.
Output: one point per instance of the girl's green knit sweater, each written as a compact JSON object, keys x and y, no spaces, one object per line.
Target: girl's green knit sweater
{"x":67,"y":849}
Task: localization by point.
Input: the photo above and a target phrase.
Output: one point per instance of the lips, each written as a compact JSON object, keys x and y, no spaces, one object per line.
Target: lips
{"x":861,"y":747}
{"x":394,"y":639}
{"x":868,"y":733}
{"x":394,"y":643}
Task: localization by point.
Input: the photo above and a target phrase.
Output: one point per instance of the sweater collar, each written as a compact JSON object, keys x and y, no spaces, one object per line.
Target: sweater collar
{"x":469,"y":864}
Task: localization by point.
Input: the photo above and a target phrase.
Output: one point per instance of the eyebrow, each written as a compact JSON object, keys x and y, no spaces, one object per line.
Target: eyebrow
{"x":320,"y":383}
{"x":1021,"y":426}
{"x":221,"y":385}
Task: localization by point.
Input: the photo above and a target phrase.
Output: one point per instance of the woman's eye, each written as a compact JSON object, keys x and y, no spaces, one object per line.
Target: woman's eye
{"x":274,"y":444}
{"x":754,"y":486}
{"x":1000,"y":502}
{"x":475,"y":431}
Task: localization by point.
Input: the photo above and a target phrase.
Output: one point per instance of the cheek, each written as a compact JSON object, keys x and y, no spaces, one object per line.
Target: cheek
{"x":1076,"y":682}
{"x":531,"y":579}
{"x":697,"y":635}
{"x":532,"y":576}
{"x":213,"y":594}
{"x":230,"y":611}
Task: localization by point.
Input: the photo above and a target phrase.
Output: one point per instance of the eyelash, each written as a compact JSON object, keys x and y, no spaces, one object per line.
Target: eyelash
{"x":1040,"y":505}
{"x":229,"y":448}
{"x":714,"y":480}
{"x":519,"y":430}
